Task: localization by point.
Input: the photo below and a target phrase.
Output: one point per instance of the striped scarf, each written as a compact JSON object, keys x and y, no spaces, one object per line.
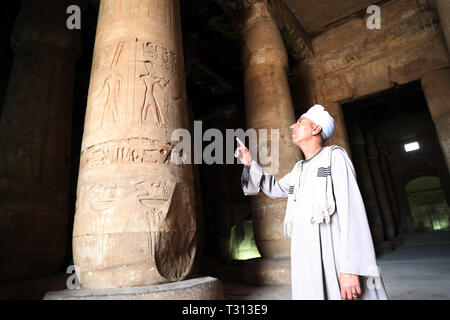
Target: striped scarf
{"x":323,"y":204}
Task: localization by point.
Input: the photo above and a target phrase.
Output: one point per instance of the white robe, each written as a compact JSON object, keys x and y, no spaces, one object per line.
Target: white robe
{"x":320,"y":252}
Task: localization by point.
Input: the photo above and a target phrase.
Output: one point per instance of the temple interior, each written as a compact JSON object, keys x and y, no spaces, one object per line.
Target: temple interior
{"x":227,"y":64}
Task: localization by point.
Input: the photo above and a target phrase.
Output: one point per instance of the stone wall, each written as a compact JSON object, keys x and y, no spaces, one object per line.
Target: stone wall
{"x":351,"y":61}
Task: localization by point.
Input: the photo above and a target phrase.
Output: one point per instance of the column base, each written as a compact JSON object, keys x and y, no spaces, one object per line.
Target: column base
{"x":275,"y":249}
{"x":260,"y":271}
{"x":205,"y":288}
{"x":268,"y":271}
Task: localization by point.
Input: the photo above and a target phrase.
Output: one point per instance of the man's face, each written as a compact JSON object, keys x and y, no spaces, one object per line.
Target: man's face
{"x":303,"y":130}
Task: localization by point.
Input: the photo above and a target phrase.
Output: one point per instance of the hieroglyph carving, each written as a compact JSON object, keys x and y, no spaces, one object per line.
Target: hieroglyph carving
{"x":112,"y":86}
{"x":409,"y":32}
{"x":127,"y":151}
{"x":164,"y":210}
{"x":148,"y":193}
{"x":152,"y":193}
{"x":109,"y":68}
{"x":154,"y":91}
{"x":158,"y":205}
{"x":158,"y":75}
{"x":102,"y":196}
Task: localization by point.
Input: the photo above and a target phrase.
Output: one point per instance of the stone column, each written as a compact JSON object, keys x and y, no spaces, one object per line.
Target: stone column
{"x":339,"y":137}
{"x":365,"y":183}
{"x":7,"y":16}
{"x":135,"y":221}
{"x":384,"y":165}
{"x":268,"y":106}
{"x":35,"y":141}
{"x":436,"y":87}
{"x":380,"y":188}
{"x":4,"y":47}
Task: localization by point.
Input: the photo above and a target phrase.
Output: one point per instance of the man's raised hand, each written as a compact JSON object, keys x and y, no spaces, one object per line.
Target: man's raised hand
{"x":242,"y":153}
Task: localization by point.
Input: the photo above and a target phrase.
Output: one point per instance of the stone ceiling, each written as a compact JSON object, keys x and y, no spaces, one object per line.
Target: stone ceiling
{"x":317,"y":15}
{"x":314,"y":15}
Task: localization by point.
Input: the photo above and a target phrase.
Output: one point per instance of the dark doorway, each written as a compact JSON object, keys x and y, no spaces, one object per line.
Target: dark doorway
{"x":403,"y":157}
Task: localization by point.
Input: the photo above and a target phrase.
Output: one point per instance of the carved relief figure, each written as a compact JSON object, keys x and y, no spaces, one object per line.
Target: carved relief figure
{"x":159,"y":64}
{"x":152,"y":84}
{"x":112,"y":86}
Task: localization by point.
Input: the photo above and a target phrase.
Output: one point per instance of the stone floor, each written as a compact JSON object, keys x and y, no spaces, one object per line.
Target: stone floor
{"x":417,"y":270}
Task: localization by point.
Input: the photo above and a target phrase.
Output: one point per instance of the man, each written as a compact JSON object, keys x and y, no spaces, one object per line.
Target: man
{"x":332,"y":254}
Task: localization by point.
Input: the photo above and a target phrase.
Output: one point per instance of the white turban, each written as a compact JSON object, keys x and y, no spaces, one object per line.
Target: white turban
{"x":319,"y":116}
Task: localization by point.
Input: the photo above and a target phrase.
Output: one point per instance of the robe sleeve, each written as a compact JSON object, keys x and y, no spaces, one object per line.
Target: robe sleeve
{"x":357,"y":254}
{"x":254,"y":180}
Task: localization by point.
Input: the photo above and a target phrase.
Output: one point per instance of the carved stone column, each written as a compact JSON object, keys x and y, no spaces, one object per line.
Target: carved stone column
{"x":380,"y":188}
{"x":268,"y":106}
{"x":35,"y":141}
{"x":436,"y":87}
{"x":365,"y":183}
{"x":135,"y":219}
{"x":385,"y":169}
{"x":406,"y":219}
{"x":7,"y":19}
{"x":340,"y":136}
